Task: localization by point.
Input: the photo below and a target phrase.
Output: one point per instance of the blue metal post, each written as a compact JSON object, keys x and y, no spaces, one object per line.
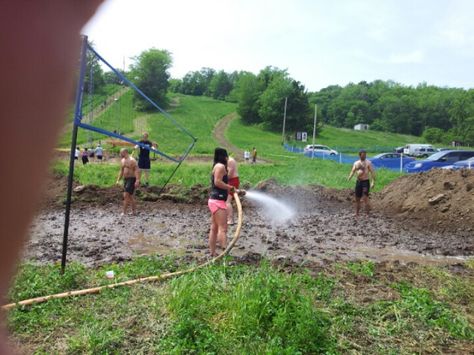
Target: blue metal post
{"x":77,"y":119}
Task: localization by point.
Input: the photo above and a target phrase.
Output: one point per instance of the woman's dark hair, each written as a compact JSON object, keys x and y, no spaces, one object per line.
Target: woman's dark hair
{"x":220,"y":155}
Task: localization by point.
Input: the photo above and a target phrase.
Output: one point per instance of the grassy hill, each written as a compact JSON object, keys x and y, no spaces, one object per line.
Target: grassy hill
{"x":199,"y":115}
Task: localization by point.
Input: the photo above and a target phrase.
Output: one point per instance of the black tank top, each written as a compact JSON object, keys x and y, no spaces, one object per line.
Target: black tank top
{"x":216,"y":192}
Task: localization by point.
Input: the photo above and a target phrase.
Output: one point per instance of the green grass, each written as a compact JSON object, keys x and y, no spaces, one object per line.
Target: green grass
{"x":297,"y":171}
{"x":198,"y":115}
{"x":119,"y":116}
{"x":343,"y":140}
{"x":242,"y":309}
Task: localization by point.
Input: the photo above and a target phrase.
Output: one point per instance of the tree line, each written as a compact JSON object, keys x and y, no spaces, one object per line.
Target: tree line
{"x":439,"y":114}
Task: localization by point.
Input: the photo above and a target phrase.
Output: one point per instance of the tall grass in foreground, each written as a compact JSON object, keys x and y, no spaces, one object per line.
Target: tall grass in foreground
{"x":354,"y":307}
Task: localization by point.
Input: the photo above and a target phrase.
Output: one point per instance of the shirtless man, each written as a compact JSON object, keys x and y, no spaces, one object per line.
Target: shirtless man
{"x":233,"y":176}
{"x":363,"y":168}
{"x":131,"y":179}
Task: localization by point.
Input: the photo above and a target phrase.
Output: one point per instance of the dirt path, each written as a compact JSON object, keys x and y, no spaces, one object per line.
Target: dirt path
{"x":219,"y":135}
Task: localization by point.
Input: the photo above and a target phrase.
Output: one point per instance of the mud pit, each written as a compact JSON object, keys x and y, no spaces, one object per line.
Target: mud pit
{"x":324,"y":230}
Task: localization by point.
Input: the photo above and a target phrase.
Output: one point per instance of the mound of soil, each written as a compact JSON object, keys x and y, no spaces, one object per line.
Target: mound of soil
{"x":439,"y":199}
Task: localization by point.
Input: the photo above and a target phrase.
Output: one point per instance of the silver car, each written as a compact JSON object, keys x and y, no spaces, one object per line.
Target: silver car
{"x":318,"y":148}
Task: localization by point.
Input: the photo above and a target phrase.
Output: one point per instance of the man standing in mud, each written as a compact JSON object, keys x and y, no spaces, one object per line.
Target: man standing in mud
{"x":362,"y":168}
{"x":131,"y":179}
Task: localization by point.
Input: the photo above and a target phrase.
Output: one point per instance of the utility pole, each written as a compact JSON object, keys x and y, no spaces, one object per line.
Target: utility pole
{"x":284,"y":121}
{"x":314,"y":128}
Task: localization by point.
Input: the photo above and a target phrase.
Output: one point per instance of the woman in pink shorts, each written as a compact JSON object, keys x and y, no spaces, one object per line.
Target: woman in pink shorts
{"x":217,"y":200}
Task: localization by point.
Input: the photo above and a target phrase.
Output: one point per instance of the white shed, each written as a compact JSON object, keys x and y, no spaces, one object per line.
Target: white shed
{"x":361,"y":127}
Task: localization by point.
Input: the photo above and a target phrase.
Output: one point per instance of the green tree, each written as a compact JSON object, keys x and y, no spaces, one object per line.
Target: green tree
{"x":433,"y":135}
{"x":272,"y":102}
{"x":247,"y":92}
{"x":175,"y":85}
{"x":150,"y":74}
{"x":220,"y":85}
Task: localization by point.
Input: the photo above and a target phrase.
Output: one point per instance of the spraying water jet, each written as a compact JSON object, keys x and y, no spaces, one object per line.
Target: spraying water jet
{"x":275,"y":210}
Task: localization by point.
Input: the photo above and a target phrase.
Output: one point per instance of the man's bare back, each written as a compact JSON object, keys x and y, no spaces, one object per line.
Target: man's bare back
{"x":232,"y":169}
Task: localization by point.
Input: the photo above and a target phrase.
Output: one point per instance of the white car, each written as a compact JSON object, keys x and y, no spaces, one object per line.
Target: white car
{"x":318,"y":148}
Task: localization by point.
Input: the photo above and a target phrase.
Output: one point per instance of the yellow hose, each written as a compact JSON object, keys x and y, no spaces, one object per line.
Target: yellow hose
{"x":142,"y":279}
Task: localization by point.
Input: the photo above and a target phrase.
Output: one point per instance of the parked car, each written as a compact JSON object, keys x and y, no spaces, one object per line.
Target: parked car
{"x":464,"y":164}
{"x":443,"y":149}
{"x":439,"y":160}
{"x":317,"y":148}
{"x":390,"y":160}
{"x":419,"y":150}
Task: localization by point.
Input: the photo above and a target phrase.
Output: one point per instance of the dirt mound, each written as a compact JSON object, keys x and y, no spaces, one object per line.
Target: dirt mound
{"x":439,"y":199}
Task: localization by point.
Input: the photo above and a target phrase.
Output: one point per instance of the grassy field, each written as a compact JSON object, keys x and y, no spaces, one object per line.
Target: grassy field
{"x":349,"y":308}
{"x":198,"y":115}
{"x":286,"y":171}
{"x":341,"y":139}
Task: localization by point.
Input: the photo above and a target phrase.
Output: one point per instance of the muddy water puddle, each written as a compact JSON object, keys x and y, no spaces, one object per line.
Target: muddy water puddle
{"x":318,"y":234}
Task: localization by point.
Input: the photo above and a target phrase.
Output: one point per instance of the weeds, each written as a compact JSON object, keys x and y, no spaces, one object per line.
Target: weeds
{"x":240,"y":309}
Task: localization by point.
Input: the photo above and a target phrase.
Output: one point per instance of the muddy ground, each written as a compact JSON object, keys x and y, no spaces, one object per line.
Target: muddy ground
{"x":323,"y":230}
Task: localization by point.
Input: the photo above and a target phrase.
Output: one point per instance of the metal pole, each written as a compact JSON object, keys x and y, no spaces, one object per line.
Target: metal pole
{"x":77,"y":119}
{"x":314,"y":128}
{"x":284,"y":121}
{"x":401,"y":162}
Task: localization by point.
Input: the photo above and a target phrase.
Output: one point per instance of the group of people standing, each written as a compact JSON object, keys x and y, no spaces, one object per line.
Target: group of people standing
{"x":85,"y":154}
{"x":224,"y":183}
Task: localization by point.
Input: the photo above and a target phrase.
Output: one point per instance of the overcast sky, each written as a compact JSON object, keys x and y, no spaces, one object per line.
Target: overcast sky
{"x":320,"y":42}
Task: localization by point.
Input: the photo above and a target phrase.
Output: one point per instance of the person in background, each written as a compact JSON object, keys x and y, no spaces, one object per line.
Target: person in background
{"x":254,"y":155}
{"x":247,"y":156}
{"x":85,"y":156}
{"x":233,"y":176}
{"x":99,"y":152}
{"x":144,"y":157}
{"x":40,"y":50}
{"x":77,"y":152}
{"x":364,"y":170}
{"x":131,"y":179}
{"x":217,"y":201}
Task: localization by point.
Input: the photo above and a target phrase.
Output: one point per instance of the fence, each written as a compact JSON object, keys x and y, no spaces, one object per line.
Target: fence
{"x":396,"y":164}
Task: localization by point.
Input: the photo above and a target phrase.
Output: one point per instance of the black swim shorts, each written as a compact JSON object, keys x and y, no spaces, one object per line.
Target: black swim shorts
{"x":362,"y":188}
{"x":129,"y":185}
{"x":144,"y":163}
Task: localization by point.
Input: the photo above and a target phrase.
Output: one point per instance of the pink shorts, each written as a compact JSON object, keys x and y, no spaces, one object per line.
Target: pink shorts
{"x":214,"y":205}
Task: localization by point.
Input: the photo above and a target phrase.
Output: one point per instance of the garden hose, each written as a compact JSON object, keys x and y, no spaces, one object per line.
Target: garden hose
{"x":161,"y":277}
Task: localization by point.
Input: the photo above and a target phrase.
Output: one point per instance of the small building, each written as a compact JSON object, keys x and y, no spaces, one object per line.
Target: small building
{"x":361,"y":127}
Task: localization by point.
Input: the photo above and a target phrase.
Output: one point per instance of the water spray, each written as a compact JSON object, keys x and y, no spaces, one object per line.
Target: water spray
{"x":275,"y":210}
